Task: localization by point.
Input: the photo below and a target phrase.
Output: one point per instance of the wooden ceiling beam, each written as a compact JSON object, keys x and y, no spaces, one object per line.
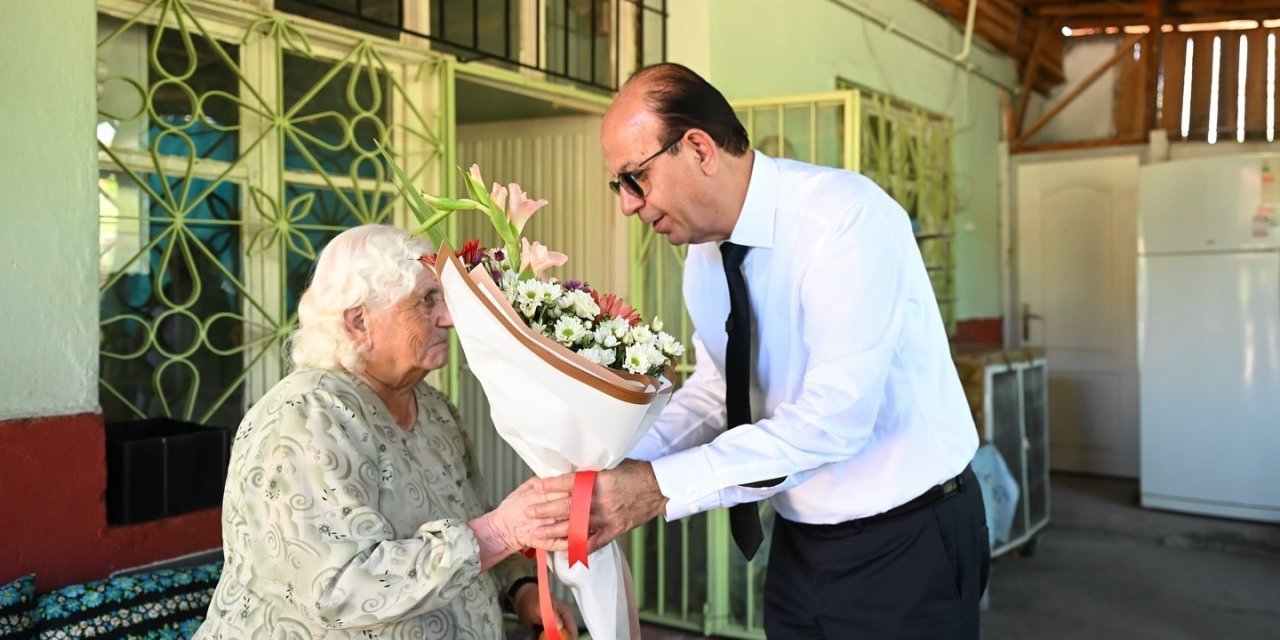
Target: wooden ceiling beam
{"x":1152,"y":56}
{"x":1101,"y":22}
{"x":1121,"y":51}
{"x":1198,"y":10}
{"x":1029,"y":75}
{"x":1084,"y":8}
{"x":998,"y":23}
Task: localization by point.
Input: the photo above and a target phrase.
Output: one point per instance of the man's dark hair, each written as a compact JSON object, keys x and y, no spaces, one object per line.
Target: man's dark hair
{"x":683,"y":101}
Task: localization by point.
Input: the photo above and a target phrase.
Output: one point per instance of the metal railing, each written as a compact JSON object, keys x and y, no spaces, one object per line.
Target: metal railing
{"x":574,"y":40}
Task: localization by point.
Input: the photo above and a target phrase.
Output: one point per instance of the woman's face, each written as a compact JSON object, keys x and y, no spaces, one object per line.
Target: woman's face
{"x":410,"y":337}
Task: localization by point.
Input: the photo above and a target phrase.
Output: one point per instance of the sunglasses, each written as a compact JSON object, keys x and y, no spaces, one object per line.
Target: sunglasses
{"x":630,"y":179}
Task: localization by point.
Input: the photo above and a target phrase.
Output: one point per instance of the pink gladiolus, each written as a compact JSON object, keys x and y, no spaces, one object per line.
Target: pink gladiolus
{"x":521,"y":208}
{"x":539,"y":258}
{"x":499,"y":196}
{"x":498,"y":193}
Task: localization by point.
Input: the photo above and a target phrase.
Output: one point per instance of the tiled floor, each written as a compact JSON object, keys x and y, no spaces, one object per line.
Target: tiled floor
{"x":1105,"y":568}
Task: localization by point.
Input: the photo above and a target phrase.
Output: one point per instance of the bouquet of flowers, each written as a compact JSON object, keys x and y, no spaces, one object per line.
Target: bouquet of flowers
{"x":573,"y":376}
{"x":599,"y":327}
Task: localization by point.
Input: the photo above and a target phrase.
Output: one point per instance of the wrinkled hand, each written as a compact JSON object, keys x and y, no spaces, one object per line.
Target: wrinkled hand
{"x":625,"y":497}
{"x":526,"y":606}
{"x":508,"y":528}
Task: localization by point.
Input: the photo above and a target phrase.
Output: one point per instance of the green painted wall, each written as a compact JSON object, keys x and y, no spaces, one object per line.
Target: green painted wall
{"x":48,"y":209}
{"x":756,"y":48}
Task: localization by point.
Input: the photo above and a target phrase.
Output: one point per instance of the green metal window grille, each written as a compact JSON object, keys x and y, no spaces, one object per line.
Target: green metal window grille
{"x":908,"y":151}
{"x":233,"y":144}
{"x":378,"y":17}
{"x":586,"y":42}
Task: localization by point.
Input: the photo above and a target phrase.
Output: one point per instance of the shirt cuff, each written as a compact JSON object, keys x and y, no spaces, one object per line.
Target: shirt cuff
{"x":688,"y":482}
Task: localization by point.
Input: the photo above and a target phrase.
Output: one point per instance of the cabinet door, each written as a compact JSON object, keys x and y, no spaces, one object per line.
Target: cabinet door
{"x":1005,"y":411}
{"x":1035,"y":428}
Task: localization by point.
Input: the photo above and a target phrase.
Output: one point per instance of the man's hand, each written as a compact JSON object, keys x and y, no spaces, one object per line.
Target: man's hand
{"x":526,"y":606}
{"x":625,"y":497}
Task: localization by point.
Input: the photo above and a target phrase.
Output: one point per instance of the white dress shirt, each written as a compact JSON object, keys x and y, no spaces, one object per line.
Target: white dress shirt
{"x":856,"y":397}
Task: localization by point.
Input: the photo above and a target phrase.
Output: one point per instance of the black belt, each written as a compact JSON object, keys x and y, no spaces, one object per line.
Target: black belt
{"x":934,"y":494}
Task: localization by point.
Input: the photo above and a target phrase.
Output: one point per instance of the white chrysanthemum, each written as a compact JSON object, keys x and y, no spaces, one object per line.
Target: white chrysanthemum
{"x":615,"y":325}
{"x":641,"y":334}
{"x":604,"y":336}
{"x":603,"y":357}
{"x":565,"y":300}
{"x":641,"y":358}
{"x":538,"y":327}
{"x":570,"y":331}
{"x":529,"y":292}
{"x":657,"y":323}
{"x":583,"y":305}
{"x":668,"y":344}
{"x":528,"y":310}
{"x":549,"y":292}
{"x":509,"y":279}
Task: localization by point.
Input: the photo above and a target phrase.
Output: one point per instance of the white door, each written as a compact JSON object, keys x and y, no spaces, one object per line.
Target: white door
{"x":1076,"y":244}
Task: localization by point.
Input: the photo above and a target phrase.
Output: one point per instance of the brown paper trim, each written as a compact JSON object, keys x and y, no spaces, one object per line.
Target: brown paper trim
{"x":617,"y":384}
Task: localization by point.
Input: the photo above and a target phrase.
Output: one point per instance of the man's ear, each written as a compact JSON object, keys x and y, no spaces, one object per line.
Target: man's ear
{"x":353,"y":322}
{"x":705,"y":150}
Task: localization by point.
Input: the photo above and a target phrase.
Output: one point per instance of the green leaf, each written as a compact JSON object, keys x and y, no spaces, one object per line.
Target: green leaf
{"x":451,"y":204}
{"x":432,"y":230}
{"x":417,"y":204}
{"x":498,"y":217}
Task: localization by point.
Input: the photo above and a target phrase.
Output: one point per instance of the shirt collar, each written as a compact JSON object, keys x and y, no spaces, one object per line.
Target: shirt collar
{"x":755,"y":223}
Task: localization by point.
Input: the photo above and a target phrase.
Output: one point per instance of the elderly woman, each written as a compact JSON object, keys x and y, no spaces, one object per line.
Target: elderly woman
{"x":351,"y":508}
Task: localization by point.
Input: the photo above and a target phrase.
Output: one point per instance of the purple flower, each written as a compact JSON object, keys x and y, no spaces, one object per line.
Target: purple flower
{"x":576,"y":285}
{"x":499,"y":255}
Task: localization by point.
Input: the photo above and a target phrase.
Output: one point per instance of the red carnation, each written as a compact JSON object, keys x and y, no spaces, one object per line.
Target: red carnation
{"x":471,"y":253}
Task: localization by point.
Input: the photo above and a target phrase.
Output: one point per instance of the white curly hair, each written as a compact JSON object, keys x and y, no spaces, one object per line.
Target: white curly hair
{"x":372,"y":265}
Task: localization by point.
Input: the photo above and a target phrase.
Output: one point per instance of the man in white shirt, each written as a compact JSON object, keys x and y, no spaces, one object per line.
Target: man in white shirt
{"x":850,"y":417}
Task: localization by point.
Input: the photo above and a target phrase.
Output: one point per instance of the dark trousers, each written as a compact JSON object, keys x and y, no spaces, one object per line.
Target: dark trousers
{"x":918,"y":575}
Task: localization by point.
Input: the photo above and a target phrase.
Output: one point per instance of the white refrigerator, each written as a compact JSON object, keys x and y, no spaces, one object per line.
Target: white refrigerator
{"x":1209,"y":336}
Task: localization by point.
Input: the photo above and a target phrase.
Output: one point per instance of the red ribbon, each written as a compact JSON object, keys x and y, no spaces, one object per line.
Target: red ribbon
{"x":550,"y":624}
{"x":584,"y":483}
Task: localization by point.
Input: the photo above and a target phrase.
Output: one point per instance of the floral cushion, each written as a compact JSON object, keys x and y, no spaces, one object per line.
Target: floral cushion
{"x":17,"y":607}
{"x":170,"y":603}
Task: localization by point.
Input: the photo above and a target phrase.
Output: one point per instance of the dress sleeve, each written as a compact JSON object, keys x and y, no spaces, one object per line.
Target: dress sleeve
{"x":322,"y":535}
{"x":515,"y":566}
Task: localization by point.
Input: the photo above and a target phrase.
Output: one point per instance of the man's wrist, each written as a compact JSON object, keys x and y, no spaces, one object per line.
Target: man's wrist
{"x":659,"y":499}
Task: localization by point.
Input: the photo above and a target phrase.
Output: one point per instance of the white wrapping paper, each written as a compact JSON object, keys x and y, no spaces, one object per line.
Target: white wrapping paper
{"x":561,"y":413}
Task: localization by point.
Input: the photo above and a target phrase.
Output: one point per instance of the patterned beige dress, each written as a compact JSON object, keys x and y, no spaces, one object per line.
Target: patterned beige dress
{"x":337,"y":523}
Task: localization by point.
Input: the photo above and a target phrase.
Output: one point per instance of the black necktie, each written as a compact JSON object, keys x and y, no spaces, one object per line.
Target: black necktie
{"x":744,"y":519}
